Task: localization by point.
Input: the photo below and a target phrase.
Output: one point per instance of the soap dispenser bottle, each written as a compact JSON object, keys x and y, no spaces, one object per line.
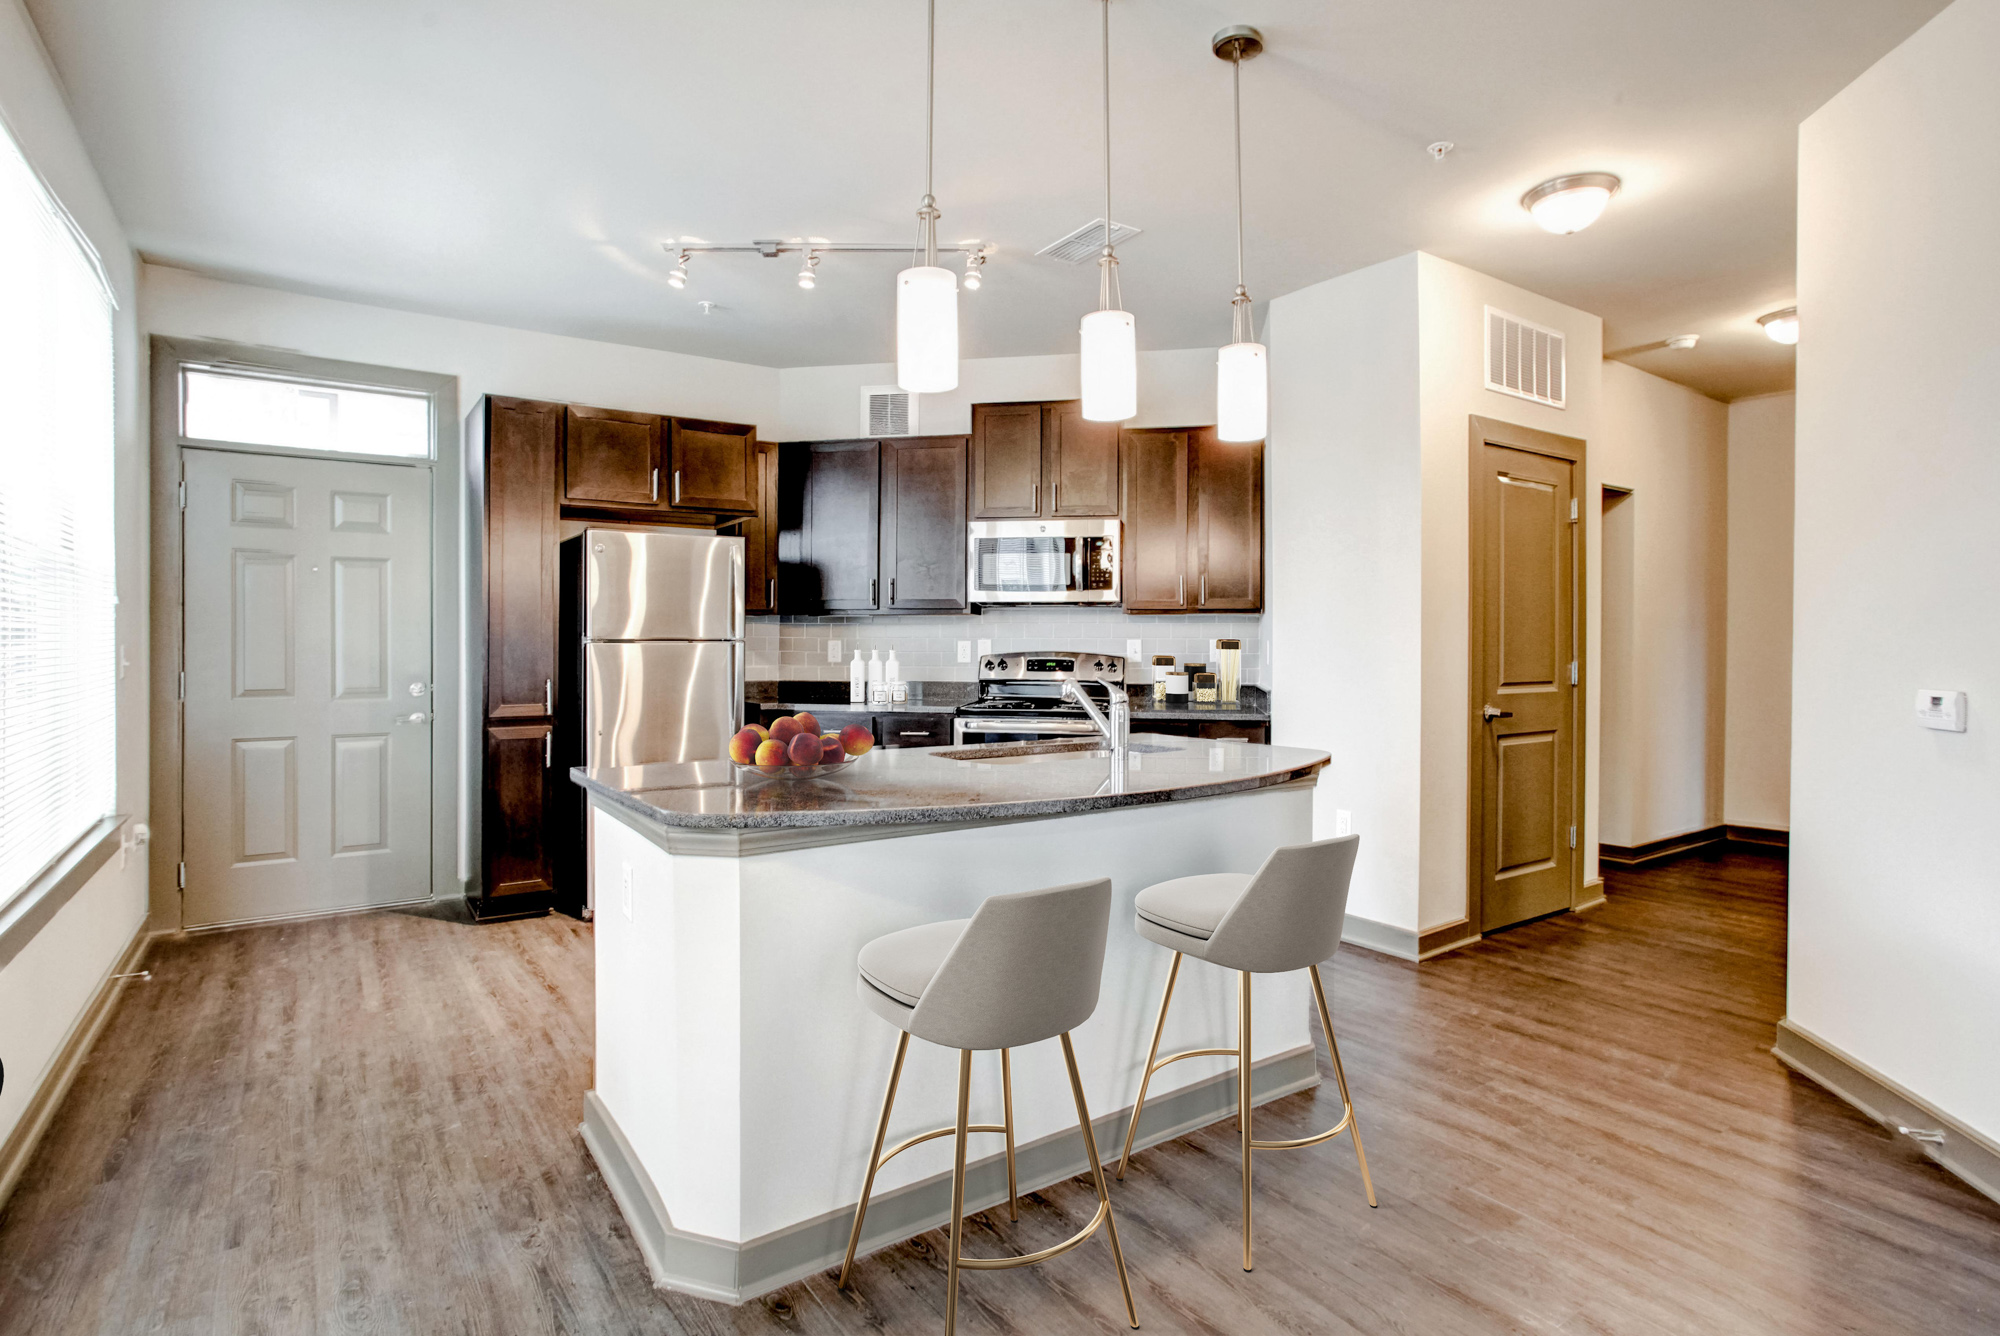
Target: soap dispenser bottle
{"x":892,"y":674}
{"x":857,"y":681}
{"x":878,"y":690}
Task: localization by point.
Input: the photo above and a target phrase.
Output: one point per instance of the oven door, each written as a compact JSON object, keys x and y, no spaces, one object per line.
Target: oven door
{"x":1017,"y":728}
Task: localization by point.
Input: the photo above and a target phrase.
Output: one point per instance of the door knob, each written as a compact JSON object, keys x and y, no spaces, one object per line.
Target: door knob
{"x":1489,"y":714}
{"x":418,"y":718}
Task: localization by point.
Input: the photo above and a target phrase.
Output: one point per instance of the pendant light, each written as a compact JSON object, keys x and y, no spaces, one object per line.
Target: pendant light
{"x":1110,"y":340}
{"x":926,"y":293}
{"x":1242,"y":379}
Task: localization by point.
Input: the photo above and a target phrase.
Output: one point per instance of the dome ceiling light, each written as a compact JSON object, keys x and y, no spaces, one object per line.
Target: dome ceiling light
{"x":1569,"y":204}
{"x":1781,"y":326}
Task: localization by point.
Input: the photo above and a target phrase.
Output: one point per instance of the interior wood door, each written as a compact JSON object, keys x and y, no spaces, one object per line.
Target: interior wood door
{"x":307,"y":634}
{"x":1525,"y":669}
{"x":923,"y":524}
{"x":612,"y":458}
{"x":1082,"y":462}
{"x":838,"y":540}
{"x":711,"y":466}
{"x":1228,"y":523}
{"x":1006,"y":461}
{"x":1155,"y":561}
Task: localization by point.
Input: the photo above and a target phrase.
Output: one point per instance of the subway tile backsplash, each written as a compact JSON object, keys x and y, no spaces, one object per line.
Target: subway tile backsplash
{"x":795,"y":648}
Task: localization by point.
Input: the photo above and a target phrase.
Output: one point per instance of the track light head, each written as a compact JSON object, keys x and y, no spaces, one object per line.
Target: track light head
{"x":677,"y":277}
{"x":807,"y":278}
{"x":975,"y":262}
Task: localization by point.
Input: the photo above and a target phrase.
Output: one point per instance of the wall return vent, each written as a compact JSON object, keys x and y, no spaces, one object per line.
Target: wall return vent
{"x":1524,"y":359}
{"x":888,"y":411}
{"x":1087,"y":242}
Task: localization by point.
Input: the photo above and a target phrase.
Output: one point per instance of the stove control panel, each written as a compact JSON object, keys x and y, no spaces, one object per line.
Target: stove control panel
{"x":1052,"y":666}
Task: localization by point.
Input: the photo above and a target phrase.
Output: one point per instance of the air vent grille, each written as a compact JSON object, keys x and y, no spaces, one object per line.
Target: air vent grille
{"x":1087,"y":242}
{"x":1524,"y":359}
{"x":888,"y":411}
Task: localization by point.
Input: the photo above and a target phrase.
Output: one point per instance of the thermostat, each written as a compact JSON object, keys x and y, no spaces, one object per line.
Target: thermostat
{"x":1943,"y":710}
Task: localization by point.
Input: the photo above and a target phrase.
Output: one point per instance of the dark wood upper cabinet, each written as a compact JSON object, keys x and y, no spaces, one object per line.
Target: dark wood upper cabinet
{"x":923,"y":524}
{"x":1155,"y":562}
{"x":612,"y":458}
{"x":760,"y":538}
{"x":839,"y":513}
{"x":519,"y":443}
{"x":1006,"y":461}
{"x":711,"y":466}
{"x":1227,"y":529}
{"x":1082,"y":463}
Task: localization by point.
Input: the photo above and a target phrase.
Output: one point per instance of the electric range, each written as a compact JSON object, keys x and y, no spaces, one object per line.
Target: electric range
{"x":1020,"y":695}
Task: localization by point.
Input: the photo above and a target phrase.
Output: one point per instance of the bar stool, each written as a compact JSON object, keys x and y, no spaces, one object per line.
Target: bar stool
{"x":1024,"y":968}
{"x":1287,"y":917}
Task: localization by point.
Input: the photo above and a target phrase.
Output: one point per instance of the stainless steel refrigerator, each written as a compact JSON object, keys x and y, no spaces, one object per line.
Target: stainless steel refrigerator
{"x":661,"y":654}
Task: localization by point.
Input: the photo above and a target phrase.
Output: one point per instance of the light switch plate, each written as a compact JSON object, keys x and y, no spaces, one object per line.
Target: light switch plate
{"x":1343,"y":822}
{"x":1132,"y":652}
{"x":985,"y":648}
{"x":833,"y":651}
{"x":1942,"y":710}
{"x":965,"y":651}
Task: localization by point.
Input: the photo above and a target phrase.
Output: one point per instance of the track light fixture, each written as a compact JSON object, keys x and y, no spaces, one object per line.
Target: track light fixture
{"x":974,"y":262}
{"x":677,"y":277}
{"x":806,"y":276}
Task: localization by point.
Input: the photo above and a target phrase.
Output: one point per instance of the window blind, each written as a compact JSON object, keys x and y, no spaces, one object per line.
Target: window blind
{"x":58,"y":676}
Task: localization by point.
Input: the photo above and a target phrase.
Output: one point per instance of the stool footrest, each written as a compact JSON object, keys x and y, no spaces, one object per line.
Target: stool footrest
{"x":1327,"y":1135}
{"x":1029,"y":1259}
{"x":919,"y":1139}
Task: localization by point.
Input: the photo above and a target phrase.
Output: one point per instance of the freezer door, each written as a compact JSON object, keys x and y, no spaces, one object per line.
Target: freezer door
{"x":662,"y":586}
{"x":661,"y":700}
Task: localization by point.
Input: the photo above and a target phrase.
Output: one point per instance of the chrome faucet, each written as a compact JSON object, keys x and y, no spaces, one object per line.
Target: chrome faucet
{"x":1117,"y":730}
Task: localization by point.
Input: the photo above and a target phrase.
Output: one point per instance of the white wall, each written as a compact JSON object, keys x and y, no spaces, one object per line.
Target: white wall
{"x":1451,"y":322}
{"x":1343,"y":587}
{"x":1895,"y":920}
{"x":47,"y":985}
{"x":1757,"y":767}
{"x":1670,"y":447}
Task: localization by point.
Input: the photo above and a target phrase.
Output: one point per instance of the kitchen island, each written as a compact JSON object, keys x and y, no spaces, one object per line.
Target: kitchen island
{"x":739,"y":1077}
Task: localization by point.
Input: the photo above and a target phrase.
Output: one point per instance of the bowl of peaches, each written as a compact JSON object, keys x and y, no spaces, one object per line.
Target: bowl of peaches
{"x":793,"y":747}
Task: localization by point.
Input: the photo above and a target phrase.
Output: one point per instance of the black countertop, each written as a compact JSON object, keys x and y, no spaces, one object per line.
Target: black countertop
{"x":945,"y":697}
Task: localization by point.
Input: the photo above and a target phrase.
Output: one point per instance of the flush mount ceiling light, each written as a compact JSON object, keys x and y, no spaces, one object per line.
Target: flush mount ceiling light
{"x":1109,"y":340}
{"x":1570,"y":203}
{"x":1683,"y":342}
{"x":1781,"y":326}
{"x":1242,"y":384}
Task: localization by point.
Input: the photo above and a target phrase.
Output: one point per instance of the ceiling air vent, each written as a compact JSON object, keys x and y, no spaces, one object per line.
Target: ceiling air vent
{"x":1087,"y":242}
{"x":1523,"y":359}
{"x":888,"y":411}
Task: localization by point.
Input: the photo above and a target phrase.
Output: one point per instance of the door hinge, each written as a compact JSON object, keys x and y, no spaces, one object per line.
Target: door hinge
{"x":181,"y":686}
{"x":1572,"y":837}
{"x":180,"y":876}
{"x":1572,"y":672}
{"x":181,"y":489}
{"x":1572,"y":510}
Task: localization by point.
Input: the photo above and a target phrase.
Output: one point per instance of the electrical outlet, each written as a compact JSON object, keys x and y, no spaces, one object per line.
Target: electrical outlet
{"x":1131,"y":657}
{"x":833,"y":651}
{"x":1343,"y":822}
{"x":965,"y":651}
{"x":985,"y":648}
{"x":625,"y":891}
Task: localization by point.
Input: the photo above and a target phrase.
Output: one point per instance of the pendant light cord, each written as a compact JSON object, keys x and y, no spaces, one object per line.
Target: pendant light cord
{"x":1108,"y":296}
{"x":1239,"y":306}
{"x":927,"y":216}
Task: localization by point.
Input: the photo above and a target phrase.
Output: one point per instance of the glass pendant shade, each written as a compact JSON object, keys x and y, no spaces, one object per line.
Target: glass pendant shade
{"x":1110,"y":366}
{"x":1242,"y":393}
{"x":927,"y":330}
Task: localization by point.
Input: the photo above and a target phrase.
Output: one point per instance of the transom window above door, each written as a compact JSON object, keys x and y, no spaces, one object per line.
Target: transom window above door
{"x":224,"y":404}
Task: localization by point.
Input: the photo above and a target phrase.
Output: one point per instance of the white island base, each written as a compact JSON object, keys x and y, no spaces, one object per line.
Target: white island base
{"x":739,"y":1078}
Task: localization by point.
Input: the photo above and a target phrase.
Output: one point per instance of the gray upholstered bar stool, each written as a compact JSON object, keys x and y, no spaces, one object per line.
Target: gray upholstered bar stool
{"x":1286,"y":917}
{"x":1024,"y":968}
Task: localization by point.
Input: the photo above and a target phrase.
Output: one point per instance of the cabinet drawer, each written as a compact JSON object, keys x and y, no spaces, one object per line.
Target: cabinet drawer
{"x":913,"y":730}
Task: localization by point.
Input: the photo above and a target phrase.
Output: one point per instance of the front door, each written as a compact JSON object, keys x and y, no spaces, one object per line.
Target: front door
{"x":1525,"y":667}
{"x":307,"y":747}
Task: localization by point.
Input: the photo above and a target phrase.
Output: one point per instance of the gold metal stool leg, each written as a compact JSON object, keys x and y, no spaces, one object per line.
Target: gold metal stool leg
{"x":1152,"y":1056}
{"x":874,"y":1158}
{"x":1097,"y":1177}
{"x":1243,"y":1099}
{"x":1340,"y":1075}
{"x":1007,"y":1104}
{"x":958,"y":1191}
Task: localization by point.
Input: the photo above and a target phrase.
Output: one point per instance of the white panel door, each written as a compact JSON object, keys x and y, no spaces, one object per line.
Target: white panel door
{"x":307,"y":634}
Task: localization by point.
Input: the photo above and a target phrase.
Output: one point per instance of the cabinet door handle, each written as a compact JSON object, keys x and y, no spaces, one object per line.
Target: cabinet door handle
{"x":1204,"y":589}
{"x":871,"y":592}
{"x":892,"y":591}
{"x":677,"y":486}
{"x":1180,"y":589}
{"x":771,"y":593}
{"x":1056,"y":487}
{"x":548,"y":749}
{"x":656,"y":484}
{"x":914,"y":733}
{"x":1038,"y":498}
{"x":548,"y":695}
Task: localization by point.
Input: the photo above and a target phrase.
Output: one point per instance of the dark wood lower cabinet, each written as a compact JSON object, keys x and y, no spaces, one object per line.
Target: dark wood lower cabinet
{"x":1203,"y":728}
{"x":517,"y":858}
{"x":929,"y":729}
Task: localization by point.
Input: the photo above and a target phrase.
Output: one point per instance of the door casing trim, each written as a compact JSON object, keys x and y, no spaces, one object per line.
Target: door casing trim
{"x":1480,"y":432}
{"x":165,"y":617}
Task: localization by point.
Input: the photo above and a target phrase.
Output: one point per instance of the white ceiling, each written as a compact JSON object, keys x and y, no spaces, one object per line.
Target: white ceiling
{"x":519,"y":162}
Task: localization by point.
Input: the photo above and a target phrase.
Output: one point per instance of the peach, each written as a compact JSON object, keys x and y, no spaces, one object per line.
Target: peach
{"x":830,"y":750}
{"x":784,"y":728}
{"x":771,"y":756}
{"x":807,"y":724}
{"x":743,"y":747}
{"x":805,"y":749}
{"x":856,"y":740}
{"x":761,"y":731}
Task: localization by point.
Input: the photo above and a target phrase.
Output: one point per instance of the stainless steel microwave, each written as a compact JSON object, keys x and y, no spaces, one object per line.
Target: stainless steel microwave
{"x":1043,"y":561}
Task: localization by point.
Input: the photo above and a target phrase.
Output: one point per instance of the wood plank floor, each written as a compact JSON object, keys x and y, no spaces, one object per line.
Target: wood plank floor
{"x":368,"y":1124}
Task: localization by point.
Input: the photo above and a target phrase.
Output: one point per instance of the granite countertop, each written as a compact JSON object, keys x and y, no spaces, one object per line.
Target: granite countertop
{"x":945,"y":697}
{"x":929,"y":786}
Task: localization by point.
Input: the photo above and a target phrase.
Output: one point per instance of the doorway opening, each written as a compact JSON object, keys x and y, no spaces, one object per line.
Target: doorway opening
{"x":1618,"y":771}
